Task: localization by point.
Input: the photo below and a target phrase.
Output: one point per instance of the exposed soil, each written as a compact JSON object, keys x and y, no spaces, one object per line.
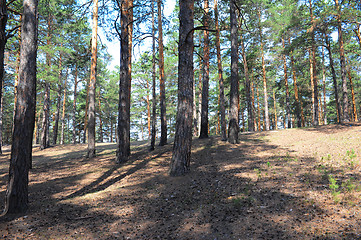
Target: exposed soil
{"x":287,"y":184}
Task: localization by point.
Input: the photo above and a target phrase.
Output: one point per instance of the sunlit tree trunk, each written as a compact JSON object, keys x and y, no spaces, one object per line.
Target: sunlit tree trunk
{"x":288,"y":108}
{"x":233,"y":128}
{"x":16,"y":199}
{"x":64,"y":107}
{"x":163,"y":109}
{"x":154,"y":96}
{"x":313,"y":65}
{"x":180,"y":163}
{"x":92,"y":81}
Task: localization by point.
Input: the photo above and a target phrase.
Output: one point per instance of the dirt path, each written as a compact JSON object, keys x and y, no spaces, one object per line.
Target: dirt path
{"x":272,"y":185}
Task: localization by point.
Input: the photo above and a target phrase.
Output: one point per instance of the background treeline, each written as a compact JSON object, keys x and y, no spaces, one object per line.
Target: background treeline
{"x":289,"y":51}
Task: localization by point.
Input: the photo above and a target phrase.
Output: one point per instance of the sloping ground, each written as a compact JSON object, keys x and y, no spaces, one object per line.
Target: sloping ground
{"x":287,"y":184}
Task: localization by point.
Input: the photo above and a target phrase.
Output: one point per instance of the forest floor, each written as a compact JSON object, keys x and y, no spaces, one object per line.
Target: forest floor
{"x":286,"y":184}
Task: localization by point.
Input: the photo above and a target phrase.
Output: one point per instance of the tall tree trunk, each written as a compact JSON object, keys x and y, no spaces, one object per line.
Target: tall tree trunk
{"x":288,"y":108}
{"x":195,"y":122}
{"x":233,"y":128}
{"x":58,"y":102}
{"x":205,"y":82}
{"x":324,"y":87}
{"x":180,"y":163}
{"x":16,"y":199}
{"x":74,"y":103}
{"x":275,"y":108}
{"x":312,"y":85}
{"x":101,"y":137}
{"x":222,"y":103}
{"x":3,"y":40}
{"x":314,"y":65}
{"x":266,"y":114}
{"x":346,"y":117}
{"x":86,"y":115}
{"x":16,"y":83}
{"x":92,"y":81}
{"x":148,"y":112}
{"x":298,"y":109}
{"x":154,"y":96}
{"x":44,"y":142}
{"x":258,"y":111}
{"x":354,"y":111}
{"x":338,"y":106}
{"x":248,"y":87}
{"x":163,"y":108}
{"x":123,"y":129}
{"x":64,"y":106}
{"x":253,"y":106}
{"x":200,"y":95}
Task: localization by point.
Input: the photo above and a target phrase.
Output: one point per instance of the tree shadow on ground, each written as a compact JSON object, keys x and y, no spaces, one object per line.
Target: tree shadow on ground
{"x":232,"y":192}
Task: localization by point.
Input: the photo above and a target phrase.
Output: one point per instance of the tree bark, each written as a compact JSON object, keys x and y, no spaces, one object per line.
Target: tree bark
{"x":288,"y":108}
{"x":180,"y":163}
{"x":275,"y":108}
{"x":74,"y":103}
{"x":324,"y":87}
{"x":233,"y":128}
{"x":154,"y":96}
{"x":16,"y":199}
{"x":64,"y":106}
{"x":148,"y":112}
{"x":3,"y":40}
{"x":123,"y":149}
{"x":313,"y":63}
{"x":354,"y":111}
{"x":205,"y":82}
{"x":44,"y":142}
{"x":346,"y":117}
{"x":222,"y":103}
{"x":266,"y":112}
{"x":92,"y":81}
{"x":298,"y":109}
{"x":338,"y":106}
{"x":58,"y":102}
{"x":163,"y":108}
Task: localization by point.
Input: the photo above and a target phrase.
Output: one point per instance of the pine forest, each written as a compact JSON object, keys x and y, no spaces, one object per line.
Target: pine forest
{"x":180,"y":119}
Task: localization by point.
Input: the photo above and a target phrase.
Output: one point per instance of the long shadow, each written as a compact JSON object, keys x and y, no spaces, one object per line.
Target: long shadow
{"x":95,"y":187}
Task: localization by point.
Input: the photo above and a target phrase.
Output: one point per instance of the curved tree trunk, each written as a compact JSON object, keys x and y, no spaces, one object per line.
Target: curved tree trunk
{"x":16,"y":199}
{"x":180,"y":163}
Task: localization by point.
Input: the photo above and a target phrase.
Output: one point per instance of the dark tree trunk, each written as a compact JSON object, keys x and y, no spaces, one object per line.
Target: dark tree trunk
{"x":163,"y":110}
{"x":16,"y":200}
{"x":220,"y":77}
{"x":3,"y":40}
{"x":334,"y":79}
{"x":248,"y":87}
{"x":123,"y":137}
{"x":346,"y":117}
{"x":180,"y":163}
{"x":233,"y":128}
{"x":74,"y":103}
{"x":44,"y":141}
{"x":154,"y":96}
{"x":93,"y":77}
{"x":205,"y":82}
{"x":58,"y":103}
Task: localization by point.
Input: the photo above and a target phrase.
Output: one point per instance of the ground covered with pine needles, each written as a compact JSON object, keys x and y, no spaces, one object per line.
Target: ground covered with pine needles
{"x":286,"y":184}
